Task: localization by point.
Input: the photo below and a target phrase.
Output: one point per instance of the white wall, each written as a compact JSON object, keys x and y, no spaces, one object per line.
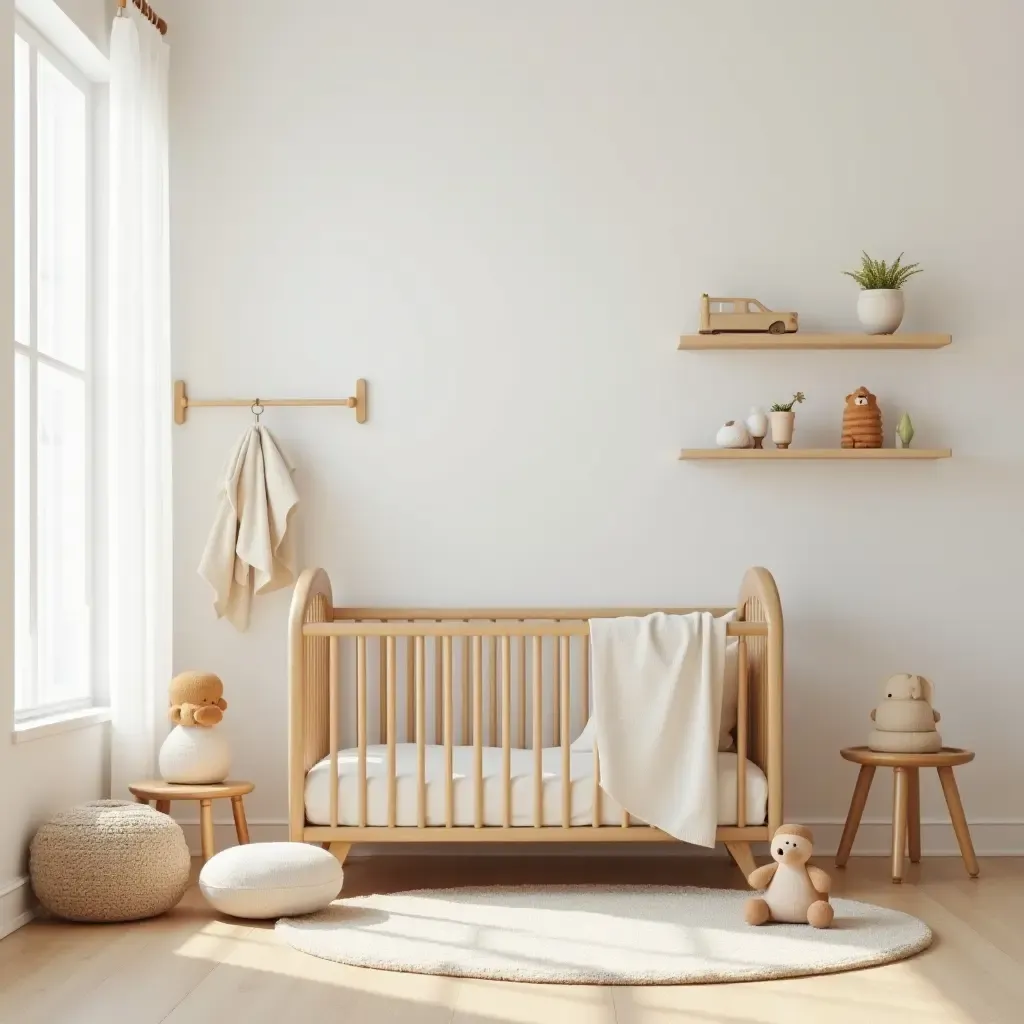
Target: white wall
{"x":92,"y":17}
{"x":52,"y":772}
{"x":503,"y":216}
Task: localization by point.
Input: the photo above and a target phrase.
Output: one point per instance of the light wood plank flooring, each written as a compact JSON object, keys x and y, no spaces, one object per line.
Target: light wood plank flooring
{"x":189,"y":966}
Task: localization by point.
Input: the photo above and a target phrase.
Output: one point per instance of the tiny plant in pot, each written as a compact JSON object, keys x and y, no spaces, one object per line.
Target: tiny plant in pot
{"x":782,"y":417}
{"x":880,"y":304}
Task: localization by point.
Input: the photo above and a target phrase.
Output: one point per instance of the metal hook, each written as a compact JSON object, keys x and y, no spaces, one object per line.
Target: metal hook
{"x":257,"y":410}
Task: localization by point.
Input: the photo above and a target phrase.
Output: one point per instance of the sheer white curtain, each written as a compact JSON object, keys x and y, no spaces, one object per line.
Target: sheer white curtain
{"x":138,"y":400}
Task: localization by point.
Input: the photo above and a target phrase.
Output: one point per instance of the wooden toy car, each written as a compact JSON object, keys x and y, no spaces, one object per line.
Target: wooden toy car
{"x":735,"y":315}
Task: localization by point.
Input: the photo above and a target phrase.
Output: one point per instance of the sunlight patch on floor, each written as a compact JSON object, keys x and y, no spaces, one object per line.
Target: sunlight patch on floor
{"x":522,"y":1003}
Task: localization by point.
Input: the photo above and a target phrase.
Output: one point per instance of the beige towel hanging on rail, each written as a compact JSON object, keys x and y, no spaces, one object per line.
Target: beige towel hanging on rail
{"x":250,"y":549}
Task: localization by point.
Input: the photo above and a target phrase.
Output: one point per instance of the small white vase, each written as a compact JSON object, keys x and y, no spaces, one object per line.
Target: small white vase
{"x":782,"y":428}
{"x":732,"y":435}
{"x":757,"y":424}
{"x":880,"y":310}
{"x":195,"y":755}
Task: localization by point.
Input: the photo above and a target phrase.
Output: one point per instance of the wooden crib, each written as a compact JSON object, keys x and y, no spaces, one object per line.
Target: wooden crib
{"x":461,"y":701}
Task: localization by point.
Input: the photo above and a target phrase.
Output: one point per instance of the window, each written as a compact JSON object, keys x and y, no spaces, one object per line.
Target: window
{"x":53,"y":377}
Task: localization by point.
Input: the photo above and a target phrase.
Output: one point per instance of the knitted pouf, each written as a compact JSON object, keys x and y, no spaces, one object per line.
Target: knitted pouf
{"x":109,"y":861}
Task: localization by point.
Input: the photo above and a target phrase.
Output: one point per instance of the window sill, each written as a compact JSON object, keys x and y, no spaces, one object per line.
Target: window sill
{"x":53,"y":725}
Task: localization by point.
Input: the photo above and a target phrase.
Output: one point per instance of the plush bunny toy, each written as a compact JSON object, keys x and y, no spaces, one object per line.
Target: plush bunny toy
{"x":905,"y":720}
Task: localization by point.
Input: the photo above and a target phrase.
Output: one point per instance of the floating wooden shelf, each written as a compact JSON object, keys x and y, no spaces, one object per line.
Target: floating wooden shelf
{"x":753,"y":454}
{"x":800,"y":340}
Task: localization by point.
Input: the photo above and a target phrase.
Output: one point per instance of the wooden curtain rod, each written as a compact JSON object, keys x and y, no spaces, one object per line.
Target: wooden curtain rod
{"x":147,"y":12}
{"x":182,"y":403}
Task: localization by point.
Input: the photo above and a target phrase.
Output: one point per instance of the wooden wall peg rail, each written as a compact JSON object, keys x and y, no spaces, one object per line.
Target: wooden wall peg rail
{"x":182,"y":402}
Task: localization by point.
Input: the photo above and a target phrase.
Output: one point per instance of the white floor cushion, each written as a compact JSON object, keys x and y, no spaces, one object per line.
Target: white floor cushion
{"x":264,"y":880}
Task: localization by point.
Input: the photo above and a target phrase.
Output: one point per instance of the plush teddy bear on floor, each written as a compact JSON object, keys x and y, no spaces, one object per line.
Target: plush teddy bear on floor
{"x":197,"y":698}
{"x":796,"y":892}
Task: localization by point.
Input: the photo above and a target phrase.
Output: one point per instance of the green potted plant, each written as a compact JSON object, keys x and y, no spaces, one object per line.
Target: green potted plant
{"x":880,"y":303}
{"x":782,"y":417}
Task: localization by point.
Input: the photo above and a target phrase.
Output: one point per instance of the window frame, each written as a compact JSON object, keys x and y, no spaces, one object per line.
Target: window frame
{"x":40,"y":45}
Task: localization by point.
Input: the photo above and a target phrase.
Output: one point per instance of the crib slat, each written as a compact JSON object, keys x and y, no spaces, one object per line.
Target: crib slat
{"x":494,"y":692}
{"x":563,"y":667}
{"x":332,"y":711}
{"x":410,"y":691}
{"x":464,"y":739}
{"x":741,"y":734}
{"x":522,"y":693}
{"x":585,"y":678}
{"x":392,"y":732}
{"x":421,"y":737}
{"x":361,"y":723}
{"x":597,"y":787}
{"x":446,"y":676}
{"x":506,"y":727}
{"x":478,"y":733}
{"x":438,"y":694}
{"x":382,"y":690}
{"x":538,"y":739}
{"x":556,"y":696}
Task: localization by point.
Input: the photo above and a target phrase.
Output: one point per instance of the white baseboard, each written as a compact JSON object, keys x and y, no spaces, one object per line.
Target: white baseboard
{"x":992,"y":838}
{"x":17,"y":906}
{"x":224,"y":833}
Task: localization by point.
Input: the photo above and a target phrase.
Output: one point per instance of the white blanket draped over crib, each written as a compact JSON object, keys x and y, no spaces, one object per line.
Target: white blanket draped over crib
{"x":657,"y":700}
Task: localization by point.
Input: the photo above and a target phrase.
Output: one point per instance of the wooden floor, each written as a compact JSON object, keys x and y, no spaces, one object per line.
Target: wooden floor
{"x":189,"y":966}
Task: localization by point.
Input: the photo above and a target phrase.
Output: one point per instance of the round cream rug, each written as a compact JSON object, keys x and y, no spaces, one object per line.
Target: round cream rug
{"x":596,"y":935}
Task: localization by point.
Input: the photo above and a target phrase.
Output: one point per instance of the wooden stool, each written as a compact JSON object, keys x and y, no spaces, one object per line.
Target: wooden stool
{"x":906,"y":804}
{"x":164,"y":792}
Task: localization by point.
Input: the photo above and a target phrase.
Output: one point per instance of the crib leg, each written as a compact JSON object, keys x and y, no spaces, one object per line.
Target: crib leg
{"x":743,"y":856}
{"x":340,"y":850}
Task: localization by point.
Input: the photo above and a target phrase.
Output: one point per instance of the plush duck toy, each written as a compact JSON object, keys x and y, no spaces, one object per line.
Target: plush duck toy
{"x":905,"y":720}
{"x":197,"y":698}
{"x":795,"y":891}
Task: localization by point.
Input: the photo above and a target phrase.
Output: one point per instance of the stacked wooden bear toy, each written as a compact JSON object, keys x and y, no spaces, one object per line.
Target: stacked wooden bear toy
{"x":862,"y":421}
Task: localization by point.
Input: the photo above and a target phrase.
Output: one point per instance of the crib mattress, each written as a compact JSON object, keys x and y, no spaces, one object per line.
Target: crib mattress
{"x":581,"y":768}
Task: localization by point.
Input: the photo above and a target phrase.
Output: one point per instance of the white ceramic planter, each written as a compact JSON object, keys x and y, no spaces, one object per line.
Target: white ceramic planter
{"x":195,"y":755}
{"x":782,"y":428}
{"x":732,"y":435}
{"x":880,"y":310}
